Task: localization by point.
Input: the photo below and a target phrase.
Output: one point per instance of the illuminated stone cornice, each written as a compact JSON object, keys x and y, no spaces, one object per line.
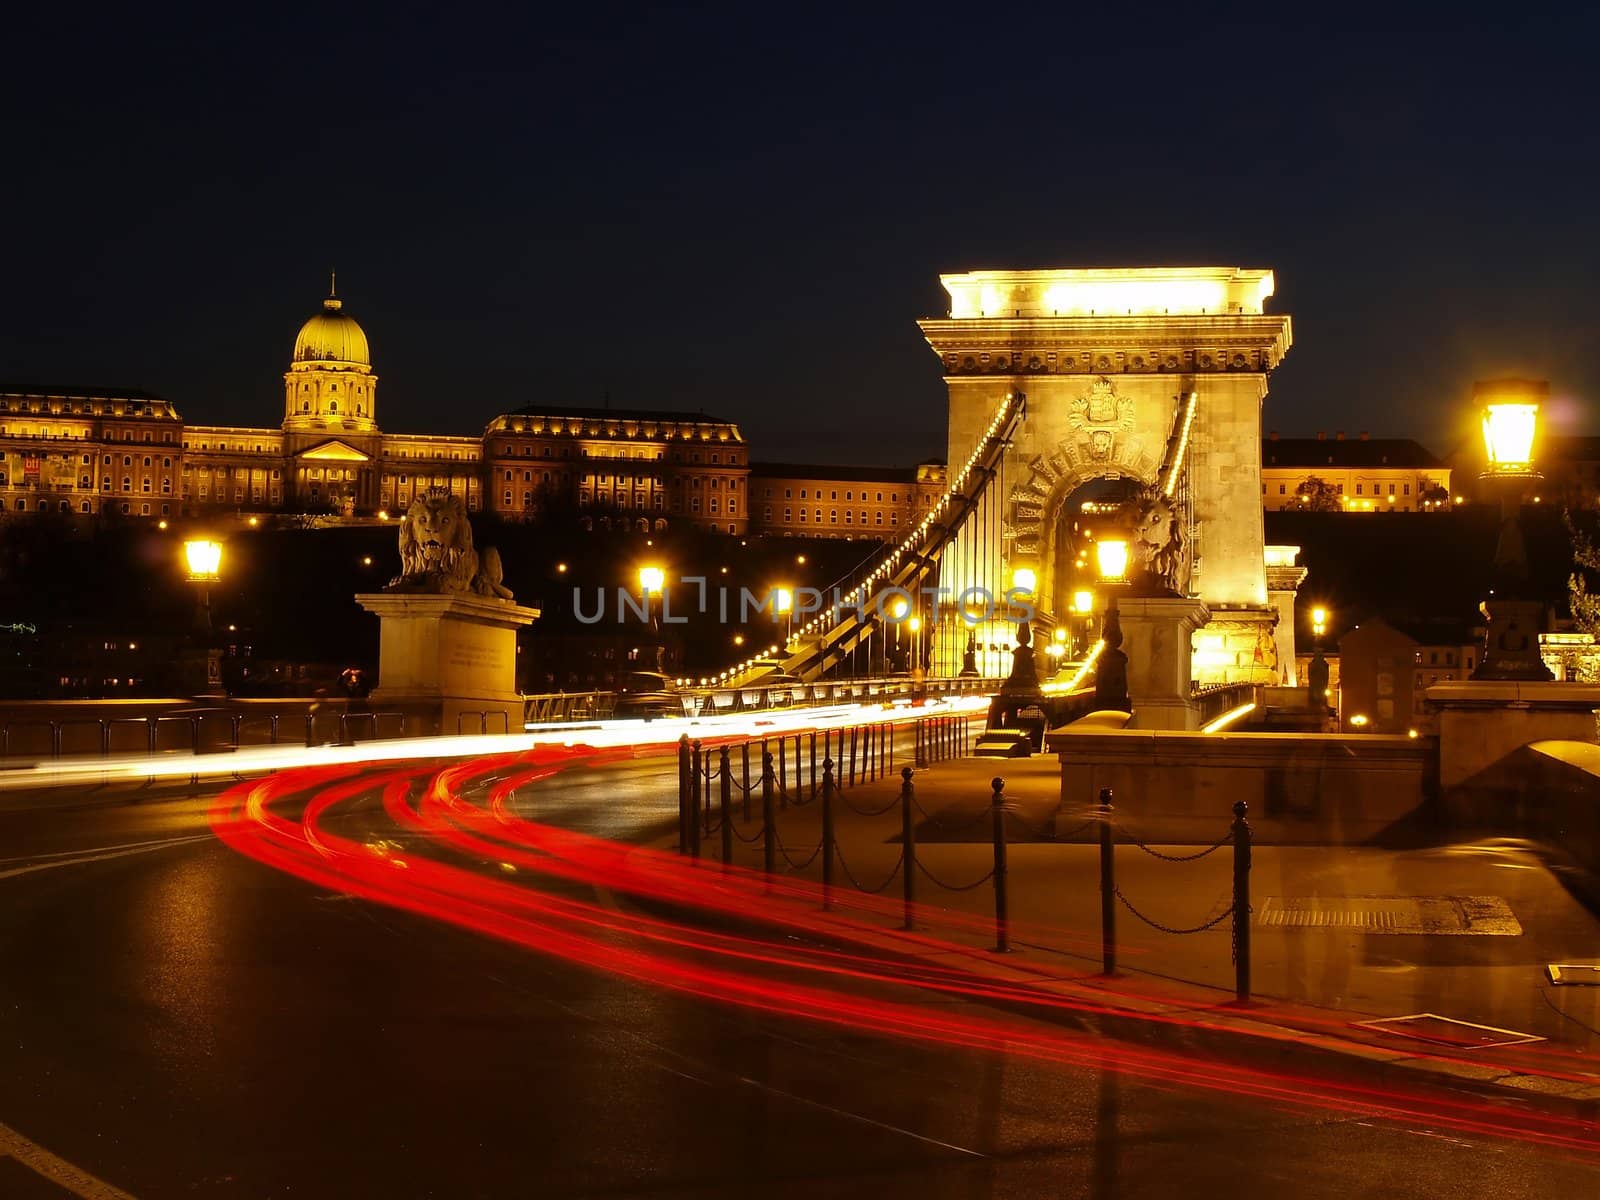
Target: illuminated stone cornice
{"x":1178,"y":345}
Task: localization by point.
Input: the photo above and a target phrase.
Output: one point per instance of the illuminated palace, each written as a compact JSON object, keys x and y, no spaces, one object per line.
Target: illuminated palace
{"x":88,"y":450}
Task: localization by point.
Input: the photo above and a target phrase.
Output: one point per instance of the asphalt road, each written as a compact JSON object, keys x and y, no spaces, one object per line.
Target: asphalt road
{"x":178,"y":1020}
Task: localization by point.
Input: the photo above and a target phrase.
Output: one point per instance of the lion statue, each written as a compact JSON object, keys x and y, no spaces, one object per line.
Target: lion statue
{"x":1159,"y":542}
{"x":436,"y":553}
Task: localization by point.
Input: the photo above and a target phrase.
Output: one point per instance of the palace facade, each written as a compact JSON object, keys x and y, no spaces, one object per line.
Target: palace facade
{"x":88,"y":450}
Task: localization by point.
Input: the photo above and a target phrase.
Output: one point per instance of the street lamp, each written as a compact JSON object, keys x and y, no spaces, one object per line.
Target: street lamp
{"x":783,"y":602}
{"x":652,"y":580}
{"x":1111,"y":668}
{"x":1024,"y":579}
{"x":1510,"y":425}
{"x":1111,"y":556}
{"x":204,"y":560}
{"x":1317,"y":671}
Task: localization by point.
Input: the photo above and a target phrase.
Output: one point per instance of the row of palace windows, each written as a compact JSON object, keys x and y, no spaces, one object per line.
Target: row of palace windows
{"x":86,"y":506}
{"x":833,"y":517}
{"x":788,"y":494}
{"x":82,"y":434}
{"x":1377,"y":489}
{"x":86,"y":409}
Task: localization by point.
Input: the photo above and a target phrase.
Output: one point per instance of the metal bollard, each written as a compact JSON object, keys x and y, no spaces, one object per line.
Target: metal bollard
{"x":1108,"y":887}
{"x":696,"y":774}
{"x":799,"y":773}
{"x":683,"y":794}
{"x":769,"y":826}
{"x":783,"y":774}
{"x":908,"y":844}
{"x":827,"y":834}
{"x":813,"y":763}
{"x":725,"y":805}
{"x":744,"y":760}
{"x":1241,"y":903}
{"x":854,"y":732}
{"x":1002,"y":920}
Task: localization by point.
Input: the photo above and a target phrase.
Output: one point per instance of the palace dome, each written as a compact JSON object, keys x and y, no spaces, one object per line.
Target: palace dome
{"x":332,"y":336}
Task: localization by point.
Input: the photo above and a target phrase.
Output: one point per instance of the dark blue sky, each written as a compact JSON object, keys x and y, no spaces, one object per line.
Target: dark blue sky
{"x":744,"y":209}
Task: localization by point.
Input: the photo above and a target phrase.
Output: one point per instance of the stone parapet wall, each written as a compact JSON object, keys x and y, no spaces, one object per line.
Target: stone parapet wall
{"x":1331,"y":789}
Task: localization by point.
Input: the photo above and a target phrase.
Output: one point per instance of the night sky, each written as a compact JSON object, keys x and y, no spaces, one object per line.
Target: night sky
{"x":743,"y":210}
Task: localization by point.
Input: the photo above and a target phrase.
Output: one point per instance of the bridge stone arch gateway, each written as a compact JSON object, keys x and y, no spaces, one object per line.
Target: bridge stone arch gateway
{"x":1153,"y":375}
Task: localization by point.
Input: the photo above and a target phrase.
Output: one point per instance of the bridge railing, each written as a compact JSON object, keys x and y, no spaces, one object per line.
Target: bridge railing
{"x":563,"y":707}
{"x":1216,"y":699}
{"x":546,"y":708}
{"x":757,"y":698}
{"x":193,"y":733}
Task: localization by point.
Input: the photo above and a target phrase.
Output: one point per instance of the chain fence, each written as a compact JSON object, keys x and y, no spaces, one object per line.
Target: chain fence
{"x":698,"y":774}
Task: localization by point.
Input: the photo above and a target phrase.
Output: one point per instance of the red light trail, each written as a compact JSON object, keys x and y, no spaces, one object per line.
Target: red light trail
{"x":439,"y":838}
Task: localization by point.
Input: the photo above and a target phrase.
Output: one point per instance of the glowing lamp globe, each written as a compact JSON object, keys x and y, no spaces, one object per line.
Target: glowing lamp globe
{"x":1024,"y":579}
{"x":1508,"y":431}
{"x":782,"y":599}
{"x":1083,"y":602}
{"x":1112,"y":558}
{"x":652,"y":579}
{"x":204,"y":559}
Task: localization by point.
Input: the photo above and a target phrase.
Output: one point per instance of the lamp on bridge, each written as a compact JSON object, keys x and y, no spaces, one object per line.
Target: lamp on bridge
{"x":1111,"y":668}
{"x":1510,"y":425}
{"x":202,"y":558}
{"x":1111,"y":556}
{"x":783,"y":605}
{"x":653,"y":581}
{"x":1317,"y":673}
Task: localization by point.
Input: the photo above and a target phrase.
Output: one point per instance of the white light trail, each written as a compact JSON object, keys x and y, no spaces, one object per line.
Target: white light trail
{"x":661,"y":734}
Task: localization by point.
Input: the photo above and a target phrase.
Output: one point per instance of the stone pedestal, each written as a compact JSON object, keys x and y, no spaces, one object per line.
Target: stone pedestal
{"x":449,"y":662}
{"x":1156,"y":638}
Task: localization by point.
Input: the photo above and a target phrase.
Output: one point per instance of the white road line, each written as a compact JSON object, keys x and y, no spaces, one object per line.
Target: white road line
{"x":855,"y":1116}
{"x":92,"y":857}
{"x":56,"y":1169}
{"x":178,"y":841}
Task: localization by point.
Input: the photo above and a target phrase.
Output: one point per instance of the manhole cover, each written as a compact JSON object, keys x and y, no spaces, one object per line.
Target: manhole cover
{"x":1483,"y":916}
{"x":1447,"y":1031}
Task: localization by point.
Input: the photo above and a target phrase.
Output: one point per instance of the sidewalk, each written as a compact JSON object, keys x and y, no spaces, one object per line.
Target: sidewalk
{"x":1319,"y":962}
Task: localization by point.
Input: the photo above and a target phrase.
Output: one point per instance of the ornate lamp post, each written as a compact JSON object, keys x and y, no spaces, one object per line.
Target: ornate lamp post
{"x":203,"y":557}
{"x":653,"y":581}
{"x":783,"y":604}
{"x":1317,"y":674}
{"x":1083,"y":607}
{"x":1510,"y":423}
{"x":1111,"y":671}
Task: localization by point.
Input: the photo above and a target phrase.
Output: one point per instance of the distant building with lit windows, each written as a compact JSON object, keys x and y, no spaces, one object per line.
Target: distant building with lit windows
{"x":644,"y":467}
{"x":1360,"y":474}
{"x":87,"y":450}
{"x":1386,"y":667}
{"x":843,"y":502}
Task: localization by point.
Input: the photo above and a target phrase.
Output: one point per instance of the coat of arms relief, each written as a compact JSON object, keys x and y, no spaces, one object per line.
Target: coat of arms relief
{"x":1099,"y":416}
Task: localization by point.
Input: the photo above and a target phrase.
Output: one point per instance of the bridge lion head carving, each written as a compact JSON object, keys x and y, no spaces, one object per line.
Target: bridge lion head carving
{"x":1160,"y":539}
